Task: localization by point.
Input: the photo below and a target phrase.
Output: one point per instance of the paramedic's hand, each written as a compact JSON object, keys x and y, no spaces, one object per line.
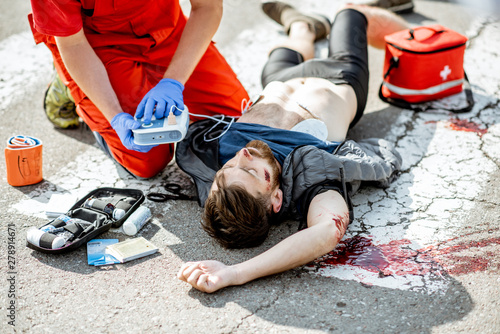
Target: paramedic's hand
{"x":123,"y":124}
{"x":166,"y":94}
{"x":208,"y":276}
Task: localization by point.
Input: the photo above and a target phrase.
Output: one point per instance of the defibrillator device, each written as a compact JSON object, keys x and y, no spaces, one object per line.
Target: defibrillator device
{"x":171,"y":129}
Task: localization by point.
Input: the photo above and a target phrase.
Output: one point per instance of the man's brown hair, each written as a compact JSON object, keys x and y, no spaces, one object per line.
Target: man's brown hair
{"x":234,"y":217}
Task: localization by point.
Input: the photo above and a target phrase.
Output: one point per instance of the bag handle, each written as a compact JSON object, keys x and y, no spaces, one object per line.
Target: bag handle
{"x":421,"y":107}
{"x":412,"y":32}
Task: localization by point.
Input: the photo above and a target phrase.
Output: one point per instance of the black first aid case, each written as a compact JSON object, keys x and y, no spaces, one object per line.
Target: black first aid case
{"x":92,"y":215}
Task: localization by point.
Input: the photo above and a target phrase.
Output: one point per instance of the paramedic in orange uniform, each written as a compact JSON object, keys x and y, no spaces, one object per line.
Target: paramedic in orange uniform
{"x":122,"y":58}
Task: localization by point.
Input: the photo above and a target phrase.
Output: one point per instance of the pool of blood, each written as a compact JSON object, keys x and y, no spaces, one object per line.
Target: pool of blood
{"x":394,"y":258}
{"x":397,"y":258}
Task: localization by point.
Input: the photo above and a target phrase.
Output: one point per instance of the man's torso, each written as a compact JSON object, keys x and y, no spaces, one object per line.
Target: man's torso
{"x":288,"y":103}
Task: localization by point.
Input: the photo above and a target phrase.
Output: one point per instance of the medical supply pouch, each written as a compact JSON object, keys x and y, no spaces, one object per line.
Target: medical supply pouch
{"x":92,"y":215}
{"x":424,"y":64}
{"x":23,"y":160}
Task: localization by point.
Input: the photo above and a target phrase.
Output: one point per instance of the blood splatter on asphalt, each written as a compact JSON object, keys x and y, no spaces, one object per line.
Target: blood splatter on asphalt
{"x":465,"y":125}
{"x":397,"y":257}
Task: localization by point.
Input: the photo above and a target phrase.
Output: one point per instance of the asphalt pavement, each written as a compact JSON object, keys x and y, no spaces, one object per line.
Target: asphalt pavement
{"x":424,"y":252}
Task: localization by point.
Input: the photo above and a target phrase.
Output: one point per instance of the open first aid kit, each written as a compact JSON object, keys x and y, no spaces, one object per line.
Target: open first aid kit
{"x":424,"y":64}
{"x":92,"y":215}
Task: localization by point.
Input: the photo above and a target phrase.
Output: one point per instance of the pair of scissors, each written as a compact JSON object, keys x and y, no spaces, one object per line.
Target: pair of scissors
{"x":174,"y":193}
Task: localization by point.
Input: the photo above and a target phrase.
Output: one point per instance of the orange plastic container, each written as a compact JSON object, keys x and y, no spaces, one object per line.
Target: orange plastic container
{"x":23,"y":158}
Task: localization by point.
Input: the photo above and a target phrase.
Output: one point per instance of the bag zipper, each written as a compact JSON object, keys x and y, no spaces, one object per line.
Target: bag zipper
{"x":426,"y":52}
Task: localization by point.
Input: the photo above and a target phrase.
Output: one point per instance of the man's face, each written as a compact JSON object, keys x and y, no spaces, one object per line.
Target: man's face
{"x":254,"y":167}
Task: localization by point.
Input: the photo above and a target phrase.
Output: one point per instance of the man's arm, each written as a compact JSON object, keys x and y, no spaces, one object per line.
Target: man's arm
{"x":327,"y":220}
{"x":89,"y":73}
{"x":201,"y":26}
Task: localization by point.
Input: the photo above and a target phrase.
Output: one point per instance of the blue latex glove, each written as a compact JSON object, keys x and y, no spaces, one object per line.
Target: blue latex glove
{"x":166,"y":94}
{"x":123,"y":124}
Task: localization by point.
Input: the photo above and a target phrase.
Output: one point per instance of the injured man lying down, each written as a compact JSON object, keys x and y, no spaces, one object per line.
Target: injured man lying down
{"x":287,"y":156}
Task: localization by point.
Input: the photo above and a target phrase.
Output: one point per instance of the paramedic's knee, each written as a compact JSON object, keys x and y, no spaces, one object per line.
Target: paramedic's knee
{"x":147,"y":165}
{"x":140,"y":165}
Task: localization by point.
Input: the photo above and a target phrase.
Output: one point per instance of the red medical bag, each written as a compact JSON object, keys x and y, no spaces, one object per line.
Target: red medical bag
{"x":424,"y":64}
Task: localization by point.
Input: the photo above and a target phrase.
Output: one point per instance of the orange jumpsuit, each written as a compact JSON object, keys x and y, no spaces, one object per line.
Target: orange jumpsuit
{"x":136,"y":41}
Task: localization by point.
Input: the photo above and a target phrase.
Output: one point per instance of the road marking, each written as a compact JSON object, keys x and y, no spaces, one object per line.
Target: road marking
{"x":23,"y":63}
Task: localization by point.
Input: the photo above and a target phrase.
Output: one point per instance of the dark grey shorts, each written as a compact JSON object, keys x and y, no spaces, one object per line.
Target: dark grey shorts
{"x":347,"y":61}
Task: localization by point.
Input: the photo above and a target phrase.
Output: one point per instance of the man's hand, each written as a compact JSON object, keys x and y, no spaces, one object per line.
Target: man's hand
{"x":123,"y":124}
{"x":207,"y":276}
{"x":167,"y":94}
